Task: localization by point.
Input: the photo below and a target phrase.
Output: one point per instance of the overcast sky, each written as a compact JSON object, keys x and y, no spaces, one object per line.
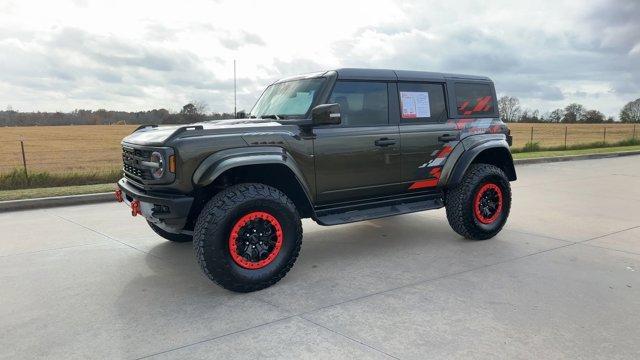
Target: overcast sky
{"x":140,"y":55}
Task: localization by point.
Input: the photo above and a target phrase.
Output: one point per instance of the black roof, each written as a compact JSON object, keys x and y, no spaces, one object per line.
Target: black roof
{"x":388,"y":75}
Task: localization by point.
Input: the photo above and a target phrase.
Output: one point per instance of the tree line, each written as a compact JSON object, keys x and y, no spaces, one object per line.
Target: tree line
{"x":192,"y":112}
{"x":195,"y":111}
{"x":511,"y":111}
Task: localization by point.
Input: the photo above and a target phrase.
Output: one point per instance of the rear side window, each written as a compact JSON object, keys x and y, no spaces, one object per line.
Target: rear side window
{"x":361,"y":103}
{"x":474,"y":99}
{"x":421,"y":102}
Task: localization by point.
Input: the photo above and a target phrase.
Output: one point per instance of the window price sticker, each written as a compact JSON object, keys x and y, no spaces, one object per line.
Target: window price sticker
{"x":415,"y":104}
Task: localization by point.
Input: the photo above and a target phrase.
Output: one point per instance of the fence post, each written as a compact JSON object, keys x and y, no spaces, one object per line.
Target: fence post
{"x":24,"y":160}
{"x":604,"y":136}
{"x":531,"y":140}
{"x":634,"y":131}
{"x":565,"y":137}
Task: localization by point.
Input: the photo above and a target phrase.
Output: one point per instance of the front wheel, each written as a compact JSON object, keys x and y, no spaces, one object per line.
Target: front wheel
{"x":478,"y":207}
{"x":247,"y":237}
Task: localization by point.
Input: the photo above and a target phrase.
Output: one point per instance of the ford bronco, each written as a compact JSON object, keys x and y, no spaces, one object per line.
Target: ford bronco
{"x":337,"y":147}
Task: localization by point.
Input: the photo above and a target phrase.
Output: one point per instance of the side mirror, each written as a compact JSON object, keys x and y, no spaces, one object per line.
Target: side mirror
{"x":326,"y":114}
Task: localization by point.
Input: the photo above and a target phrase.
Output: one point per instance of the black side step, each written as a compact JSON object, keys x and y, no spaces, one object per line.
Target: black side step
{"x":343,"y":214}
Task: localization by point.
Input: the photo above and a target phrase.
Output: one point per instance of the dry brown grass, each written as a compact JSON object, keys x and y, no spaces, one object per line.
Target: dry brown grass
{"x":60,"y":149}
{"x":63,"y":149}
{"x":553,"y":134}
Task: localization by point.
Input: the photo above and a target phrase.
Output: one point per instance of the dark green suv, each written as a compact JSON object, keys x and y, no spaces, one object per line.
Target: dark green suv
{"x":337,"y":146}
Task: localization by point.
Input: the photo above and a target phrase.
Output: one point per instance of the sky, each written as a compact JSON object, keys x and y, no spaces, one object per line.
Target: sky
{"x":140,"y":55}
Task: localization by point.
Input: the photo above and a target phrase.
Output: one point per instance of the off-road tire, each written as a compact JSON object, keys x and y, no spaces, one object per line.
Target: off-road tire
{"x":216,"y":222}
{"x":460,"y":202}
{"x":170,"y":236}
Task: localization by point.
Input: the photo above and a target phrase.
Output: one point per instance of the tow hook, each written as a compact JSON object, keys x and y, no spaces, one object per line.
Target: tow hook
{"x":135,"y":208}
{"x":119,"y":197}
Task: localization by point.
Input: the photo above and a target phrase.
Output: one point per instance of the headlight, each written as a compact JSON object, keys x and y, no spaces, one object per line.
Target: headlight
{"x":158,"y":165}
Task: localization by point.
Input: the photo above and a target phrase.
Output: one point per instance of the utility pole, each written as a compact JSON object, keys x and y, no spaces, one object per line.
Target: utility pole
{"x":235,"y":110}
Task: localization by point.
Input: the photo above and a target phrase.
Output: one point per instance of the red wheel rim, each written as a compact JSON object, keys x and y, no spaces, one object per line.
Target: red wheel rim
{"x":487,"y":204}
{"x":255,"y":240}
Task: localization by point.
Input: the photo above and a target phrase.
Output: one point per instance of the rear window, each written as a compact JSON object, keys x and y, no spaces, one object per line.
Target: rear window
{"x":474,"y":99}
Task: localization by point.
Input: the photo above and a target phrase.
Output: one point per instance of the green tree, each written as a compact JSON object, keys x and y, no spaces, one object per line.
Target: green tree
{"x":193,"y":112}
{"x":556,"y":115}
{"x":573,"y":113}
{"x":593,"y":117}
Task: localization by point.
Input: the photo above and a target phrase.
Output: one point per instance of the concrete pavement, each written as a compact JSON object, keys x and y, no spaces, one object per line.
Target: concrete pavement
{"x":562,"y":280}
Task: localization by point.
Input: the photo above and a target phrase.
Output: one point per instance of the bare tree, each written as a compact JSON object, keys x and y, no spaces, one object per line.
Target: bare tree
{"x":509,"y":108}
{"x":631,"y":112}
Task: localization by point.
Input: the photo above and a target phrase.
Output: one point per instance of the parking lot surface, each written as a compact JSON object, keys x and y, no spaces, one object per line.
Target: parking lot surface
{"x":562,"y":280}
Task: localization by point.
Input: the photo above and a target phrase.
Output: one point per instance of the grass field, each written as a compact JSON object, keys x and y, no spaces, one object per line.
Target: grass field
{"x":553,"y":134}
{"x":91,"y":148}
{"x":63,"y":149}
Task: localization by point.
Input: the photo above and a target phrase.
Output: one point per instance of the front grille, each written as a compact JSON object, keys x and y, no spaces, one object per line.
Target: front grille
{"x":131,"y":159}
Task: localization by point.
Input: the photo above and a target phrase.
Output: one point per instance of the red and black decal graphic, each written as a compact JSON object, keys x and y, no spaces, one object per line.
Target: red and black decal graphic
{"x":430,"y":171}
{"x":482,"y":104}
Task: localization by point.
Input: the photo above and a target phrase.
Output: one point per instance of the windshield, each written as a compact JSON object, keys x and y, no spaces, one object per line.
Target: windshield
{"x":287,"y":99}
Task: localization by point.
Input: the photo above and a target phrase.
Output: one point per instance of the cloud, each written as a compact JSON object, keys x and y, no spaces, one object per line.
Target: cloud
{"x":243,"y":38}
{"x":91,"y":54}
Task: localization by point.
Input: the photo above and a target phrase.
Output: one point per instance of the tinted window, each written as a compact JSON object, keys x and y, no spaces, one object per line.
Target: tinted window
{"x":361,"y":103}
{"x":419,"y":101}
{"x":474,"y":99}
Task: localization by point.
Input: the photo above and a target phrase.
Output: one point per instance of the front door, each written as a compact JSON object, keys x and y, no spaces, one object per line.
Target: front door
{"x":359,"y":158}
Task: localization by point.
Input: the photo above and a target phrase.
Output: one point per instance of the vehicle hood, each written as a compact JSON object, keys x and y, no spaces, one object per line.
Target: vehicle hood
{"x":160,"y":134}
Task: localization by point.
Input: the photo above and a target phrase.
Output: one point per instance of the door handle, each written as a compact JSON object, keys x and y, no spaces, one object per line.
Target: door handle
{"x":447,"y":138}
{"x":385,"y":142}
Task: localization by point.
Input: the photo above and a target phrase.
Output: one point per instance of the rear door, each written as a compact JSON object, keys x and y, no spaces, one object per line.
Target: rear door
{"x":359,"y":158}
{"x":426,"y":135}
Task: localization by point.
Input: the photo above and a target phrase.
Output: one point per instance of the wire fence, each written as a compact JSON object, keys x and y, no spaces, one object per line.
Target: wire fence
{"x":570,"y":135}
{"x":102,"y":153}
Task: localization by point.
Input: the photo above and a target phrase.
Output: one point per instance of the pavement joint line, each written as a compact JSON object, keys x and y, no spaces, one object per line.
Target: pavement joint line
{"x":608,"y":248}
{"x":539,"y":235}
{"x":424,"y":281}
{"x":613,"y":233}
{"x":107,"y":236}
{"x":349,"y":337}
{"x":45,"y":250}
{"x":217,"y":337}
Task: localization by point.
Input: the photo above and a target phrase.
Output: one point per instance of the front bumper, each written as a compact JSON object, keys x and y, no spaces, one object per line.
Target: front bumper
{"x":167,"y":211}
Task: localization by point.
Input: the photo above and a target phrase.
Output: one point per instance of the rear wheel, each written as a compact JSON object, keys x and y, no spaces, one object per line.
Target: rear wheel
{"x":170,"y":236}
{"x":478,"y":207}
{"x":248,"y":237}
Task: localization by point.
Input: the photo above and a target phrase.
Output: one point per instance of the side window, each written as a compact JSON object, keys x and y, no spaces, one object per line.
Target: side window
{"x":362,"y":103}
{"x":474,"y":99}
{"x":421,"y":102}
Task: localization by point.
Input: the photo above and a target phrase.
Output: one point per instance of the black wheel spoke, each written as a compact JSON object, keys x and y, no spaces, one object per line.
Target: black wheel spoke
{"x":256,"y":240}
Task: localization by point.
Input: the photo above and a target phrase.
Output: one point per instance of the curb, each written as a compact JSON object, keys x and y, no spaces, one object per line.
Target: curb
{"x":55,"y":201}
{"x":39,"y":203}
{"x":574,"y":157}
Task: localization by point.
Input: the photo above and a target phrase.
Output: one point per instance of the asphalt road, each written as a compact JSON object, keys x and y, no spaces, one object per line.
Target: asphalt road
{"x":562,"y":280}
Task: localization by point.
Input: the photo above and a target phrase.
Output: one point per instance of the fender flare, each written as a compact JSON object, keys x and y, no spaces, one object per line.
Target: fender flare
{"x":217,"y":163}
{"x":469,"y":155}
